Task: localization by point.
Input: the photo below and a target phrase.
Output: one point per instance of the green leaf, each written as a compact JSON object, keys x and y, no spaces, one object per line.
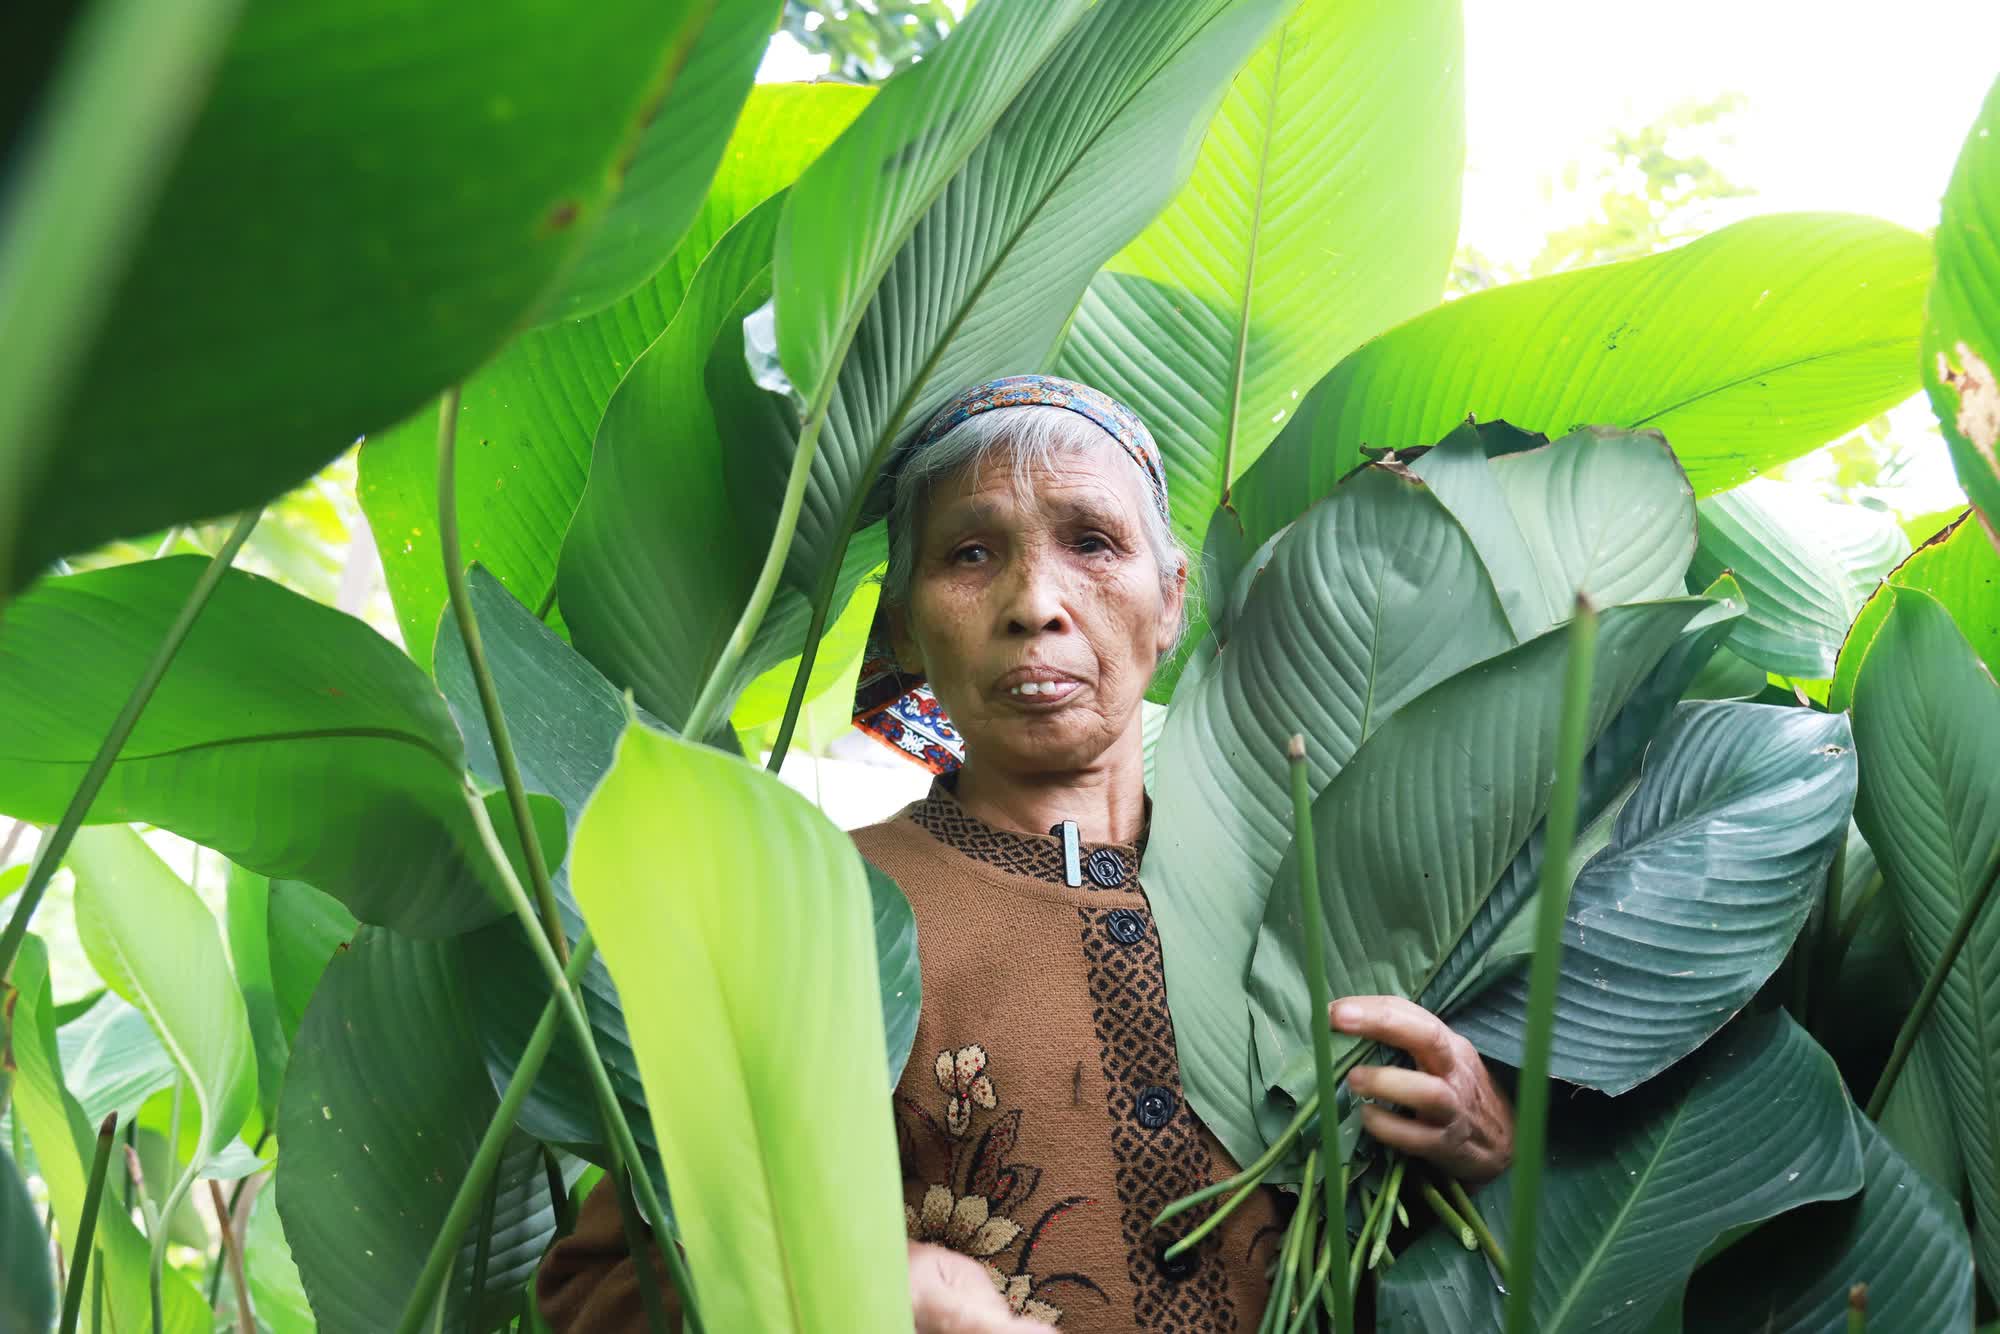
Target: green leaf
{"x":248,"y":922}
{"x":1901,"y":1236}
{"x":64,"y":1143}
{"x":1918,"y":1120}
{"x":420,"y":182}
{"x":383,"y":1106}
{"x":760,"y":1156}
{"x":307,"y":928}
{"x":1806,"y":565}
{"x":1419,"y":826}
{"x":1927,"y":724}
{"x":1961,"y":347}
{"x":287,"y":736}
{"x":1748,"y":347}
{"x":276,"y":1292}
{"x":113,"y":1061}
{"x":898,"y":975}
{"x":1961,"y":569}
{"x":1322,"y":209}
{"x":667,"y":175}
{"x":1712,"y":866}
{"x":534,"y":409}
{"x":155,"y":943}
{"x":1635,"y":1190}
{"x":1370,"y":599}
{"x":28,"y":1290}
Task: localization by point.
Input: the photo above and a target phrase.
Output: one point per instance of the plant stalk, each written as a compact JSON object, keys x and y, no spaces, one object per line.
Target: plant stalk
{"x":1906,"y":1036}
{"x":482,"y":676}
{"x":86,"y":1226}
{"x":642,"y":1268}
{"x":235,"y":1202}
{"x":1450,"y":1217}
{"x":482,"y":1249}
{"x":1477,"y":1222}
{"x":486,"y":1158}
{"x":1531,"y":1126}
{"x":1314,"y":929}
{"x":56,"y":845}
{"x":232,"y":1255}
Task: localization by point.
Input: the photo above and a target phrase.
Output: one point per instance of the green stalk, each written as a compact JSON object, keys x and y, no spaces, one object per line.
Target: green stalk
{"x":1250,"y":1176}
{"x":1477,"y":1222}
{"x":558,"y":1195}
{"x":1857,"y":1309}
{"x":624,"y":1149}
{"x":707,"y":710}
{"x":642,"y":1268}
{"x":1280,"y":1300}
{"x":1906,"y":1036}
{"x":56,"y":846}
{"x":1450,"y":1217}
{"x":482,"y":675}
{"x":86,"y":1226}
{"x":486,"y":1158}
{"x":1314,"y":929}
{"x":1531,"y":1123}
{"x":482,"y":1248}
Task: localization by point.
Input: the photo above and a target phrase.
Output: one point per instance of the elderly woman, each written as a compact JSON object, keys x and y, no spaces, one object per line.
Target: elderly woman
{"x":1034,"y":580}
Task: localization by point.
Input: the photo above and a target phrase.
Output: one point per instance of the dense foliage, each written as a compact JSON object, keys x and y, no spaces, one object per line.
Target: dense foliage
{"x":631,"y":341}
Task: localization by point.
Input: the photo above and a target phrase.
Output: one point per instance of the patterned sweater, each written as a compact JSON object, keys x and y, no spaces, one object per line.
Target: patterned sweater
{"x":1040,"y":1118}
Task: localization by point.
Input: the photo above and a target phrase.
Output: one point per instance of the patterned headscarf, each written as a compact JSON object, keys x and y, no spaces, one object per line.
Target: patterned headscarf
{"x":897,"y":708}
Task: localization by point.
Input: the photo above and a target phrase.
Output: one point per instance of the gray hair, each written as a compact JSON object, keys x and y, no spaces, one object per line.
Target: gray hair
{"x":1030,"y":439}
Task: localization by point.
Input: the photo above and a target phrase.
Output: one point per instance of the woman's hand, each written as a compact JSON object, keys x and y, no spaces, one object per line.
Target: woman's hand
{"x":951,"y":1293}
{"x":1459,"y":1120}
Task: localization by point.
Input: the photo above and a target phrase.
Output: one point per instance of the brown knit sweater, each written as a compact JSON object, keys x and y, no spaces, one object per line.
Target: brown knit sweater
{"x":1040,"y":1117}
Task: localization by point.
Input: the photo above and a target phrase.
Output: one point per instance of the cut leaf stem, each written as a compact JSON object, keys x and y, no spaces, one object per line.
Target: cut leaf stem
{"x":1532,"y":1121}
{"x":86,"y":1226}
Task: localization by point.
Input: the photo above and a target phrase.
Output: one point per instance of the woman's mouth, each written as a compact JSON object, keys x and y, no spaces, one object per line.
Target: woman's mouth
{"x":1038,"y":689}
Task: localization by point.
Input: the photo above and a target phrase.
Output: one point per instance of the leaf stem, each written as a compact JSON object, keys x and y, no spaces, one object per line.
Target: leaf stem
{"x":1473,"y":1219}
{"x":1313,"y":927}
{"x":795,"y":699}
{"x":86,"y":1226}
{"x":635,"y":1243}
{"x":482,"y":675}
{"x":486,"y":1158}
{"x":232,"y":1256}
{"x":1531,"y":1128}
{"x":482,"y":1249}
{"x":1906,"y":1036}
{"x":56,"y":845}
{"x":1450,"y":1217}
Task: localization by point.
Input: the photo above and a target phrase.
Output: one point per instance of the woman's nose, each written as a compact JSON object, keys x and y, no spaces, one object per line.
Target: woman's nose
{"x":1034,"y":598}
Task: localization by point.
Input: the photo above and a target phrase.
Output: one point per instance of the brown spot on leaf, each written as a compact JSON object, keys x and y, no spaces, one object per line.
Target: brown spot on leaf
{"x":1978,"y":401}
{"x":561,"y":216}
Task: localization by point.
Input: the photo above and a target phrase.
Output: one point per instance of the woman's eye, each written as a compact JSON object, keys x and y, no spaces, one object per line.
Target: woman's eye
{"x":1092,"y":543}
{"x":970,"y":554}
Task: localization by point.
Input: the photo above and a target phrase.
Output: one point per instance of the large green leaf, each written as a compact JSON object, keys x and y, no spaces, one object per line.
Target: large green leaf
{"x":1634,"y":1191}
{"x":1961,"y":349}
{"x":756,"y":1019}
{"x":1712,"y":866}
{"x":1370,"y":599}
{"x":1321,"y":210}
{"x":154,"y":942}
{"x":1746,"y":348}
{"x":667,"y":174}
{"x":1927,"y":723}
{"x":1426,"y":817}
{"x":247,"y":920}
{"x":1918,"y":1120}
{"x":1806,"y":565}
{"x":289,"y":737}
{"x":1901,"y":1236}
{"x":383,"y":1106}
{"x":947,"y":237}
{"x":419,"y":182}
{"x":307,"y":928}
{"x":64,"y":1143}
{"x":112,"y":1060}
{"x":1961,"y":569}
{"x":527,"y":418}
{"x":28,"y":1289}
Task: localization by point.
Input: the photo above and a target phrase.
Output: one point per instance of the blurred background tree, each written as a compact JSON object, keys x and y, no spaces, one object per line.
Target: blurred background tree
{"x":865,"y":41}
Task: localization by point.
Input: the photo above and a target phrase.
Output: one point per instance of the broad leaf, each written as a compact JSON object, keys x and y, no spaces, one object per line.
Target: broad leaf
{"x":1918,"y":1120}
{"x":1420,"y":825}
{"x":276,"y":1291}
{"x":1961,"y":569}
{"x":1927,"y":724}
{"x":1712,"y":866}
{"x":419,"y":183}
{"x":248,"y":922}
{"x":287,"y":736}
{"x":28,"y":1288}
{"x":1634,"y":1190}
{"x":1370,"y":599}
{"x":667,"y":174}
{"x":898,"y":975}
{"x":383,"y":1106}
{"x":756,"y":1020}
{"x":1901,"y":1236}
{"x":527,"y":418}
{"x":1321,"y":210}
{"x":154,"y":942}
{"x":1806,"y":565}
{"x":64,"y":1144}
{"x":307,"y":928}
{"x":1961,"y":347}
{"x":113,"y":1061}
{"x":1746,"y":348}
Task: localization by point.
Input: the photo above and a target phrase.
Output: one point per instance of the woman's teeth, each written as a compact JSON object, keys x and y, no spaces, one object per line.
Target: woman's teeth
{"x":1034,"y":688}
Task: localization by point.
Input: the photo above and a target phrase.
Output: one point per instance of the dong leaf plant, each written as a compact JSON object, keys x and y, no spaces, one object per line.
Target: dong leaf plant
{"x":1671,"y":791}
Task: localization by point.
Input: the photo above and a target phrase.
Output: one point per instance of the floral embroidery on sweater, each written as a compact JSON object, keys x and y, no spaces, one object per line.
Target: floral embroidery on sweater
{"x":977,"y":1209}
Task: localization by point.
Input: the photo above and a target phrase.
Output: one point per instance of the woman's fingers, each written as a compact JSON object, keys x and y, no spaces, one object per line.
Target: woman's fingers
{"x":1411,"y":1137}
{"x":951,"y":1293}
{"x":1404,"y":1024}
{"x":1426,"y":1096}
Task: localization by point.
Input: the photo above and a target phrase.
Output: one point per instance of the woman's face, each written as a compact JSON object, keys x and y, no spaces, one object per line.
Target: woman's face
{"x":1036,"y":611}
